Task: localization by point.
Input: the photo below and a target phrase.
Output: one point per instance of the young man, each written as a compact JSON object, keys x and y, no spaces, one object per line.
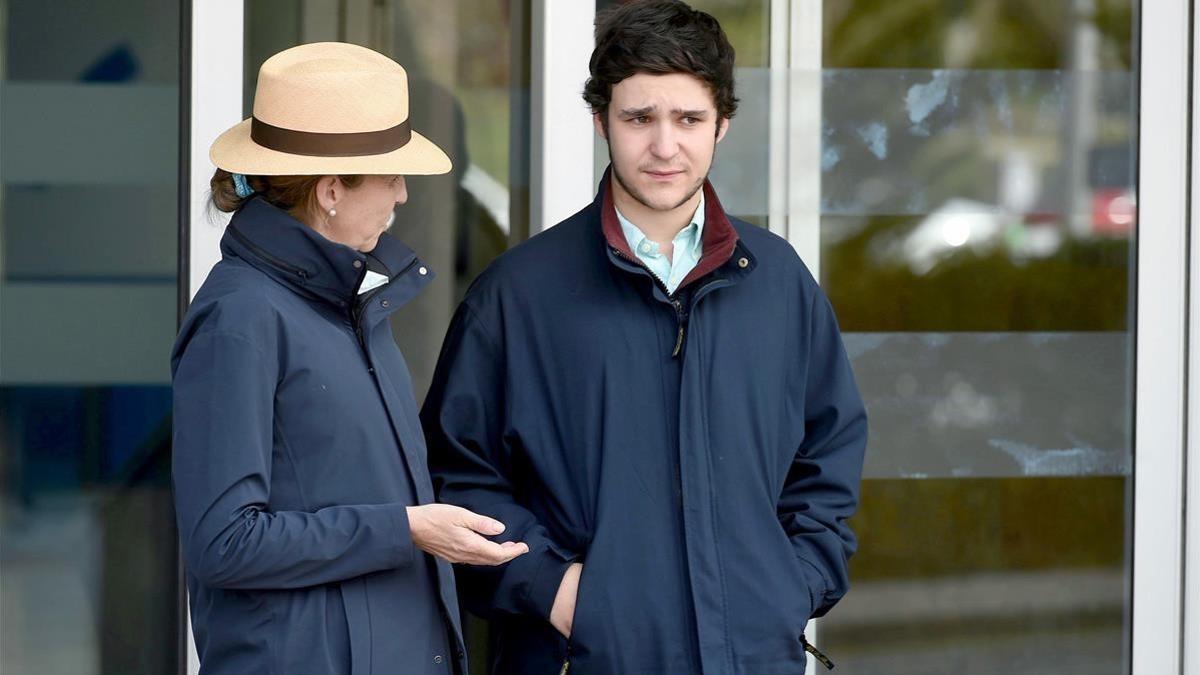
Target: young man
{"x":655,"y":398}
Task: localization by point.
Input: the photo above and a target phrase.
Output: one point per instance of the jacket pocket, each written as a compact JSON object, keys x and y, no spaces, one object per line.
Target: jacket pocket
{"x":573,"y":643}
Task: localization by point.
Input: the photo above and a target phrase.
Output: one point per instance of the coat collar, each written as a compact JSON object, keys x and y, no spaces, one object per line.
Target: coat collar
{"x":300,"y":258}
{"x":719,"y":239}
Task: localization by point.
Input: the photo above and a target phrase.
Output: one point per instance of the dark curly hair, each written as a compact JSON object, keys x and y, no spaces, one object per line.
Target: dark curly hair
{"x":659,"y":37}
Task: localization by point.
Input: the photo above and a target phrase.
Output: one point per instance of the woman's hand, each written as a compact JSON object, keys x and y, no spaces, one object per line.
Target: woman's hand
{"x":453,"y":534}
{"x":562,"y":614}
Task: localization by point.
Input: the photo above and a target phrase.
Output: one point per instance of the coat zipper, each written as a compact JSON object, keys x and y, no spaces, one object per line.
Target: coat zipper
{"x":258,"y":251}
{"x":356,"y":311}
{"x":679,"y":314}
{"x":356,"y":321}
{"x":679,"y":320}
{"x":816,"y":652}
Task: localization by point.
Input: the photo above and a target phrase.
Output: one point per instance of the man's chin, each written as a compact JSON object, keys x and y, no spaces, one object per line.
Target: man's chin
{"x":666,"y":200}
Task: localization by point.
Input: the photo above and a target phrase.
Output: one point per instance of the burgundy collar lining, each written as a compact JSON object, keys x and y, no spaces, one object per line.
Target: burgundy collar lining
{"x":719,"y":238}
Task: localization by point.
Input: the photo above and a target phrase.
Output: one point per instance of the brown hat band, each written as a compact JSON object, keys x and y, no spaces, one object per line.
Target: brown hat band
{"x":318,"y":144}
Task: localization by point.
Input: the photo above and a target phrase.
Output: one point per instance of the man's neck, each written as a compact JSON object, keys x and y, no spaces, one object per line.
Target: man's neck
{"x":659,"y":227}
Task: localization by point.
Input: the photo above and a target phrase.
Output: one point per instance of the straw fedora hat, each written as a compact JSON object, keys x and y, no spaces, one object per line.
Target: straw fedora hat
{"x":328,"y":108}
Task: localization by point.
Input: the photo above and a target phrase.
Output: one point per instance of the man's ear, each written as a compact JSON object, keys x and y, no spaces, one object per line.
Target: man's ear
{"x":598,"y":122}
{"x":722,"y":128}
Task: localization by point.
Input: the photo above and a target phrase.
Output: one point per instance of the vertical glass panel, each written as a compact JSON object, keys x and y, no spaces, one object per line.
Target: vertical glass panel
{"x":468,"y":70}
{"x":977,"y":226}
{"x":89,"y":116}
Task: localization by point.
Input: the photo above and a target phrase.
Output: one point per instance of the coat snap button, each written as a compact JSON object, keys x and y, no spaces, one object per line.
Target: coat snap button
{"x":422,"y":271}
{"x":385,"y":303}
{"x":743,"y":263}
{"x":438,"y":659}
{"x":357,"y":264}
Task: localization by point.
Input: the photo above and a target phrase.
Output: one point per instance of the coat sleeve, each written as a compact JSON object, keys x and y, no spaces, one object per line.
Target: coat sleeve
{"x":822,"y":486}
{"x":224,"y":391}
{"x":470,"y":459}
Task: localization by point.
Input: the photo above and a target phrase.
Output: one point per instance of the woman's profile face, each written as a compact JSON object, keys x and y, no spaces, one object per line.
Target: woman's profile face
{"x":364,"y":212}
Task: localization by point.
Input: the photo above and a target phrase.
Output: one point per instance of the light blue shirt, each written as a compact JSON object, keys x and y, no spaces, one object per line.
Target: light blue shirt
{"x":687,"y":247}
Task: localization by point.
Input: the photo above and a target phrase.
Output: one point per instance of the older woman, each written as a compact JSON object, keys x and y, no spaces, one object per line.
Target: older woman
{"x":302,"y":493}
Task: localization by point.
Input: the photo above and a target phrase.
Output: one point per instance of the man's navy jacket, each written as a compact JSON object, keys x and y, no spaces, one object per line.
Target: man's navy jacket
{"x":297,"y":452}
{"x":699,"y":453}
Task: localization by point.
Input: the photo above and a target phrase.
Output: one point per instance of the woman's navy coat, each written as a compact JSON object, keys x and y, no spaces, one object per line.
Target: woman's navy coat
{"x":297,"y":448}
{"x":699,"y":453}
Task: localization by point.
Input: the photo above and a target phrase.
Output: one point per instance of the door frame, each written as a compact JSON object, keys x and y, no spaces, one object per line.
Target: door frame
{"x":1162,"y":70}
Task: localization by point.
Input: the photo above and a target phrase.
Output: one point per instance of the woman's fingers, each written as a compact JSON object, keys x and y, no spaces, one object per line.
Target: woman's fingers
{"x":458,"y":535}
{"x":485,"y":525}
{"x":480,"y":551}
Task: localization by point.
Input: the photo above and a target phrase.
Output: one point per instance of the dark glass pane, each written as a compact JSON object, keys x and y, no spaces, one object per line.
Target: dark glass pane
{"x":89,"y":114}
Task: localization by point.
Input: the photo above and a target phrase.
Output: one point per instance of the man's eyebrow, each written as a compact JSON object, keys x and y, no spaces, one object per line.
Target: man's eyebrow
{"x":646,"y":110}
{"x":638,"y":112}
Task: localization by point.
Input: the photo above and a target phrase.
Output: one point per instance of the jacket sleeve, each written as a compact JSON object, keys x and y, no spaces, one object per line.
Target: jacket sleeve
{"x":822,"y":487}
{"x":224,"y":392}
{"x":470,"y":459}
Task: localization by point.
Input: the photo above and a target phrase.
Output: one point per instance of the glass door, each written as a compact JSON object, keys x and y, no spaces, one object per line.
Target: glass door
{"x":977,"y":227}
{"x":89,"y":216}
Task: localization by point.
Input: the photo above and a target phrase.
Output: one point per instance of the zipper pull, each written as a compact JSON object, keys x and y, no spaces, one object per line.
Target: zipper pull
{"x":816,"y":653}
{"x":679,"y":321}
{"x":566,"y":659}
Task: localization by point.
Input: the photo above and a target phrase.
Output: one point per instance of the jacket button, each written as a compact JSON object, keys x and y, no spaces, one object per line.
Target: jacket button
{"x":743,"y":263}
{"x":357,"y":264}
{"x":422,"y":271}
{"x":438,"y":659}
{"x":385,"y":303}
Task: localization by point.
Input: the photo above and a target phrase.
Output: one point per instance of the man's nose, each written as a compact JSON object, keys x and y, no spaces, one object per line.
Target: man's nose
{"x":665,"y":143}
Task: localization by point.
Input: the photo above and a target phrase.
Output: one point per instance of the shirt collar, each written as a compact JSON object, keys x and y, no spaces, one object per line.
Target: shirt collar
{"x":692,"y":234}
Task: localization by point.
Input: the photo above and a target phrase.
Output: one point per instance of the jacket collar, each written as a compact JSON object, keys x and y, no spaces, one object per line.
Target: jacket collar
{"x":294,"y":254}
{"x":719,"y":239}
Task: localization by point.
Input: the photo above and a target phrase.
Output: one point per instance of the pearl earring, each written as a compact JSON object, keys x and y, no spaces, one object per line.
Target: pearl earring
{"x":332,"y":212}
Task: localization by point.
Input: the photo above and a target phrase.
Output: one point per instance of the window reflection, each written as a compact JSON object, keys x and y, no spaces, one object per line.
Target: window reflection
{"x":978,"y":212}
{"x":88,"y":297}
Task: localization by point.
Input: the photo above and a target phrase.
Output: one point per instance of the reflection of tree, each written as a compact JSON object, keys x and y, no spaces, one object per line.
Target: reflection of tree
{"x":745,"y":23}
{"x":1007,"y":34}
{"x":990,"y":122}
{"x":1081,"y":288}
